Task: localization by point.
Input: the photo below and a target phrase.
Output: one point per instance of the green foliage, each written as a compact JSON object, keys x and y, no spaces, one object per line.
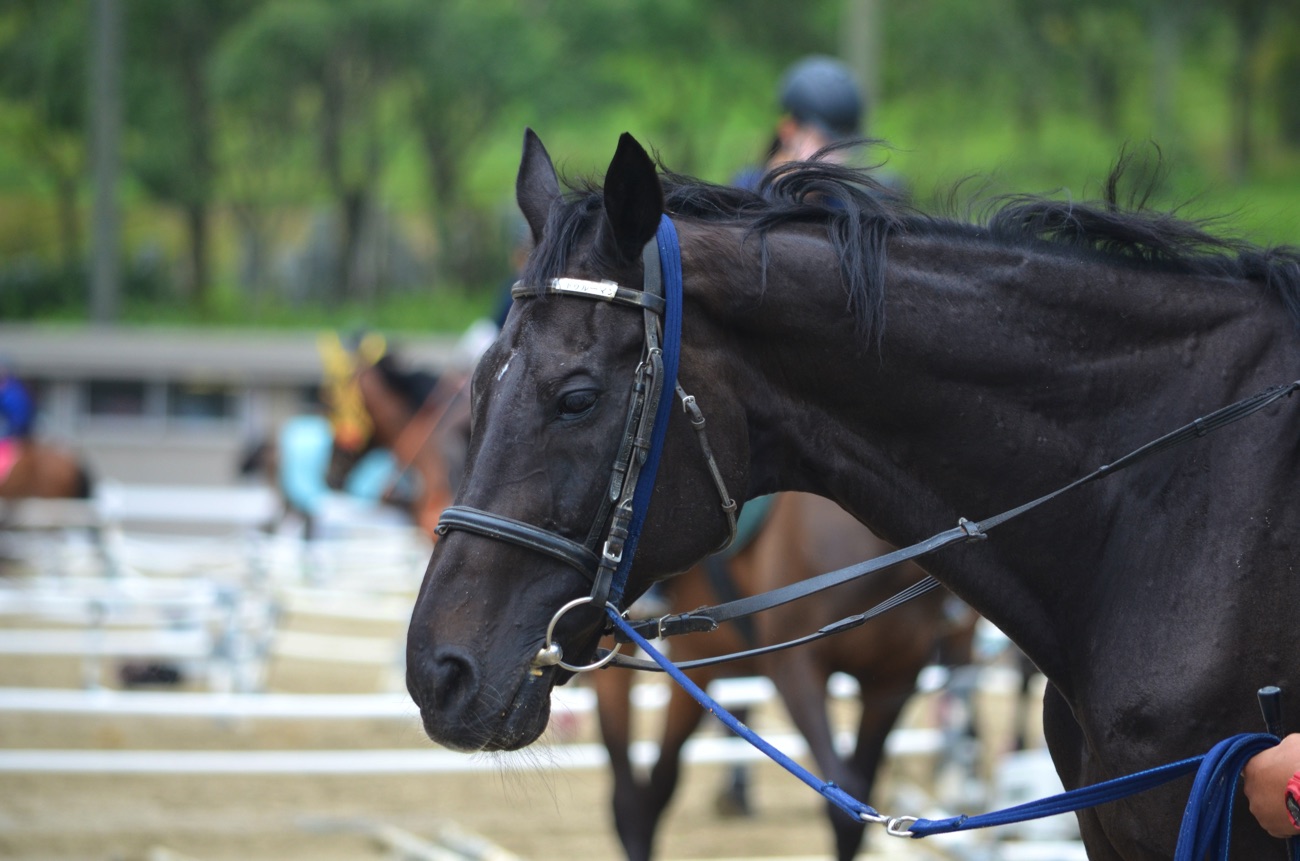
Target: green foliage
{"x":33,"y":289}
{"x":42,"y":60}
{"x":248,"y":120}
{"x":443,"y":310}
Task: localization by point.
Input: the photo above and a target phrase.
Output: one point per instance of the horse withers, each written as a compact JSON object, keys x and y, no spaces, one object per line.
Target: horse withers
{"x":977,"y":366}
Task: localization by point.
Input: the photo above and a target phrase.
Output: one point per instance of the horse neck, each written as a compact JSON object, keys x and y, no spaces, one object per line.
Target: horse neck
{"x":1002,"y":374}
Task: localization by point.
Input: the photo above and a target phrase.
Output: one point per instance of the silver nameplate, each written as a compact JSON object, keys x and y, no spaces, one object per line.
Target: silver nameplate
{"x":597,"y":289}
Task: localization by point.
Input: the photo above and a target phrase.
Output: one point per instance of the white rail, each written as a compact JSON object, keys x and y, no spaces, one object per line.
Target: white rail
{"x":190,"y":644}
{"x":413,"y":760}
{"x":732,"y":693}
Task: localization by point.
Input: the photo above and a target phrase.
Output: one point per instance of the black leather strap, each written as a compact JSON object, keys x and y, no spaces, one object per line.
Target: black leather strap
{"x":917,"y":589}
{"x":517,"y":532}
{"x":616,"y":510}
{"x":724,"y":589}
{"x":708,"y":618}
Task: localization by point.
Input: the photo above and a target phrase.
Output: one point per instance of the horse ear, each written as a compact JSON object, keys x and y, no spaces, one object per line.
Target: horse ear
{"x":634,"y":199}
{"x":537,"y":186}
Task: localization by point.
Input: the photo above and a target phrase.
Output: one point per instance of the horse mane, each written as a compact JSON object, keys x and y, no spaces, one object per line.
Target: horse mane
{"x":1154,"y":239}
{"x":860,"y":214}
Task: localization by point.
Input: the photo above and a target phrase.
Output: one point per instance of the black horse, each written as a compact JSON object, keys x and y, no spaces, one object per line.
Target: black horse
{"x":914,"y":369}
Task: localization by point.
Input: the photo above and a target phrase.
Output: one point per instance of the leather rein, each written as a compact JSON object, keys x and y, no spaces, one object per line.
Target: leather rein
{"x":616,"y":528}
{"x":708,"y":618}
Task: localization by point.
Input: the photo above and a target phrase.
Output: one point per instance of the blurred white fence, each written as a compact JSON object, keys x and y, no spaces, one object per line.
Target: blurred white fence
{"x":196,"y":579}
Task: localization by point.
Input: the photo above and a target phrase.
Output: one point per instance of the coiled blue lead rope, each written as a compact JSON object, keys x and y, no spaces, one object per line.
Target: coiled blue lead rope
{"x":1207,"y":823}
{"x":1207,"y":820}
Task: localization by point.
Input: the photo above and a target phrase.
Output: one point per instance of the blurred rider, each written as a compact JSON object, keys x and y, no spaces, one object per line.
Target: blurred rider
{"x":821,"y":104}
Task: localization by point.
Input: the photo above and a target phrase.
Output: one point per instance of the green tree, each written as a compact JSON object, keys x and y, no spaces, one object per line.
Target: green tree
{"x":1253,"y":22}
{"x":325,"y":68}
{"x":684,"y":71}
{"x":468,"y":63}
{"x":1285,"y":73}
{"x":43,"y":50}
{"x":170,"y":113}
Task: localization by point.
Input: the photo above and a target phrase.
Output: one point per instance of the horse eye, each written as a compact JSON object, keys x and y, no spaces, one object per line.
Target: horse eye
{"x":574,"y":405}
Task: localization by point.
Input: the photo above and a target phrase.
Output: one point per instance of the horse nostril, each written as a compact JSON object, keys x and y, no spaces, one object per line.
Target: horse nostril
{"x":454,"y":679}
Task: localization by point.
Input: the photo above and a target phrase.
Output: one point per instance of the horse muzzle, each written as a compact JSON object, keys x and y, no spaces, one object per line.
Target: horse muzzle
{"x":464,"y":707}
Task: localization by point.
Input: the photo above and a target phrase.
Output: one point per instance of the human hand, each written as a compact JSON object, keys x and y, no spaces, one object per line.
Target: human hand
{"x":1264,"y":781}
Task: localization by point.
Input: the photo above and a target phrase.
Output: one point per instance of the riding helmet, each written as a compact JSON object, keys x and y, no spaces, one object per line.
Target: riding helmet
{"x":821,"y":91}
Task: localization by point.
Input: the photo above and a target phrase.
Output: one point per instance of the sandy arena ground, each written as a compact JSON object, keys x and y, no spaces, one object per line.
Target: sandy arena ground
{"x":533,"y":812}
{"x":530,"y":811}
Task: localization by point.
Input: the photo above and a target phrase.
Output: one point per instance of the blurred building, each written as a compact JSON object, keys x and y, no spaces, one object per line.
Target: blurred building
{"x":176,"y":406}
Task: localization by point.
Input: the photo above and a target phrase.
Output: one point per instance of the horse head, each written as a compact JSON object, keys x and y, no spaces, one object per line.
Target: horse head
{"x":550,"y":405}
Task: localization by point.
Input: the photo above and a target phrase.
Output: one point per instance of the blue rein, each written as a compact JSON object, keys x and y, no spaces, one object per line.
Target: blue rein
{"x":1207,"y":820}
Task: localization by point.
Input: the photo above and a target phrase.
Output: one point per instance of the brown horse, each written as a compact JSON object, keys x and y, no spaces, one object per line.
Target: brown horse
{"x":422,"y":420}
{"x":804,"y":535}
{"x":44,"y":471}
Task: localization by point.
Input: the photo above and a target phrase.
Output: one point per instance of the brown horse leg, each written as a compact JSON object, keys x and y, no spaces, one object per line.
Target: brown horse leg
{"x":802,"y":686}
{"x":680,"y":721}
{"x":732,"y":798}
{"x":880,"y":711}
{"x":614,"y":711}
{"x":638,"y":804}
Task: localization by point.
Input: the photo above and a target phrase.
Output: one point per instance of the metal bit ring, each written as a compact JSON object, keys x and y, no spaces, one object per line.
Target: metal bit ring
{"x":552,"y":654}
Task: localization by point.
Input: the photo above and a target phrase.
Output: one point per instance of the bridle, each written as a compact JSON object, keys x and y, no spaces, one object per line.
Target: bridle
{"x":616,"y":529}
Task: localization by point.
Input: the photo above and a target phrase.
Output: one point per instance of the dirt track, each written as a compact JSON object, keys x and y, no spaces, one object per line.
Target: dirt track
{"x":533,"y":812}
